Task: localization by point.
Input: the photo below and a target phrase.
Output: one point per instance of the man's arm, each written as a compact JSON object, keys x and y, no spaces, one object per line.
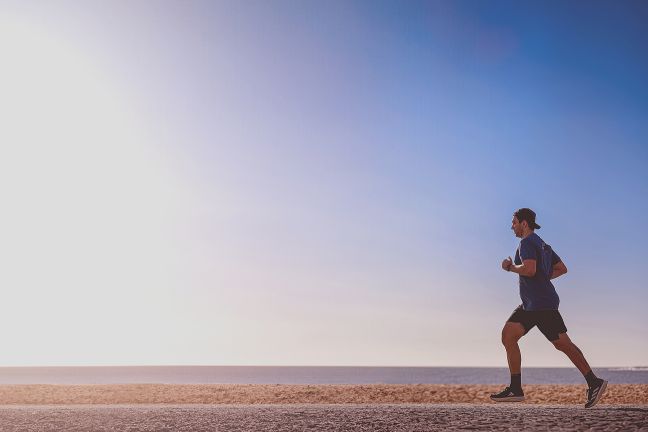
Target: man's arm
{"x":558,"y":269}
{"x":527,"y":268}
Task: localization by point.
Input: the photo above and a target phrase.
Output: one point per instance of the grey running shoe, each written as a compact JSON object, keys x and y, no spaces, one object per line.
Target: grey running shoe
{"x":508,"y":395}
{"x":595,"y":393}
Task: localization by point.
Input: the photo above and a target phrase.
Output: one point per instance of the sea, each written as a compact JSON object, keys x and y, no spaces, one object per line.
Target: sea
{"x":306,"y":375}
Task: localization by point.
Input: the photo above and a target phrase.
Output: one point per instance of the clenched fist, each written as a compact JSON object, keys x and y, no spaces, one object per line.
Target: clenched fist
{"x":507,"y":263}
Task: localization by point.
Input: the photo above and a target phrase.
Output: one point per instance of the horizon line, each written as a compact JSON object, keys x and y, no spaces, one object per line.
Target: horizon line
{"x":307,"y":366}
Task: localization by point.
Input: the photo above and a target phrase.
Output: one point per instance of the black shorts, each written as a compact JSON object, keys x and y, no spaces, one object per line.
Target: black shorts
{"x":549,"y":322}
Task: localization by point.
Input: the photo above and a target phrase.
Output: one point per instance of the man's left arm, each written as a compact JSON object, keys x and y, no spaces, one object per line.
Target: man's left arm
{"x":558,"y":270}
{"x":558,"y":267}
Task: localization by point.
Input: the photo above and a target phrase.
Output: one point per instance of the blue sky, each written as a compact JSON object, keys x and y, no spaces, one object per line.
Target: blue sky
{"x":319,"y":183}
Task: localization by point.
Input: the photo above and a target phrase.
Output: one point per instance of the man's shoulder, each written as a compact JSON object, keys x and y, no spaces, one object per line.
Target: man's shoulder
{"x":531,"y":244}
{"x":532,"y":239}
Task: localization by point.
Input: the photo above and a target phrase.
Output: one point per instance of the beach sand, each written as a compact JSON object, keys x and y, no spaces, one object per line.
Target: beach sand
{"x":279,"y":408}
{"x":42,"y":394}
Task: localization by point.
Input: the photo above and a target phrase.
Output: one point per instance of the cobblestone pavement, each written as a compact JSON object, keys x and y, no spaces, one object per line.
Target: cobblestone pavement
{"x":374,"y":418}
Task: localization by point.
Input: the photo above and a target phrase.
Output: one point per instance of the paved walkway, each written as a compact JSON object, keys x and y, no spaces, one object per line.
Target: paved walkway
{"x":374,"y":418}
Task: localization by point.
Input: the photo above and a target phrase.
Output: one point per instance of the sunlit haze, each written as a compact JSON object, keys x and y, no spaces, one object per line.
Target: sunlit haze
{"x":317,"y":183}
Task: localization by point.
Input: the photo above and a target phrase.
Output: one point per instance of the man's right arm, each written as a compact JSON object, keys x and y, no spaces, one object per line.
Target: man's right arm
{"x":558,"y":269}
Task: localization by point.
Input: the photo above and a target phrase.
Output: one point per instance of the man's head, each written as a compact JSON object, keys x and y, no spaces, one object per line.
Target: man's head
{"x":524,"y":222}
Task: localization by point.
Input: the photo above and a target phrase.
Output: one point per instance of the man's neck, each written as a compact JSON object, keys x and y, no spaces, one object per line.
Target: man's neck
{"x":527,"y":233}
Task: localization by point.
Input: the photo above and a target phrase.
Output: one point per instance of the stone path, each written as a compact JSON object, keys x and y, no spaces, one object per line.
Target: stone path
{"x":280,"y":418}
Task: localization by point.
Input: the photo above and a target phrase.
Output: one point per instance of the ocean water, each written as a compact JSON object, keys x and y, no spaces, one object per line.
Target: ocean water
{"x":305,"y":375}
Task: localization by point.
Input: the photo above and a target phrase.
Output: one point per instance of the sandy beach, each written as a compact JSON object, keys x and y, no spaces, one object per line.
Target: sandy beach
{"x":619,"y":394}
{"x":375,"y":408}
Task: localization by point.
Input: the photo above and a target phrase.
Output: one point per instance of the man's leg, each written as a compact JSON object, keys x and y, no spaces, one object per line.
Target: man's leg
{"x":564,"y":344}
{"x":596,"y":385}
{"x":511,"y":334}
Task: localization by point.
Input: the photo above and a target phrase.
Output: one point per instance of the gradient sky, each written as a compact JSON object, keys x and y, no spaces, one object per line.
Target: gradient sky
{"x":317,"y":183}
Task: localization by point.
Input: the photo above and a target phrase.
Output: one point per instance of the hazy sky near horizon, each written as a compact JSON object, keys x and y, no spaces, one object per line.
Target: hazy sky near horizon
{"x":317,"y":183}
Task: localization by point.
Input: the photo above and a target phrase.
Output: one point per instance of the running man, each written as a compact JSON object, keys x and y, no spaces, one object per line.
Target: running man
{"x":537,"y":264}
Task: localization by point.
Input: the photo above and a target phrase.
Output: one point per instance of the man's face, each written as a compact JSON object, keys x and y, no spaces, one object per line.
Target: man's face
{"x":517,"y":228}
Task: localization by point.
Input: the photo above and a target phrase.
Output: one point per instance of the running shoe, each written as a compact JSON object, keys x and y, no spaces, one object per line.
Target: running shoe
{"x":595,"y":393}
{"x":508,"y":395}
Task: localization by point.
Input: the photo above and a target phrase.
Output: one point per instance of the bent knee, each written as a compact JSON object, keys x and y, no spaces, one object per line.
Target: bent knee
{"x":511,"y":333}
{"x":561,"y":345}
{"x":510,"y":339}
